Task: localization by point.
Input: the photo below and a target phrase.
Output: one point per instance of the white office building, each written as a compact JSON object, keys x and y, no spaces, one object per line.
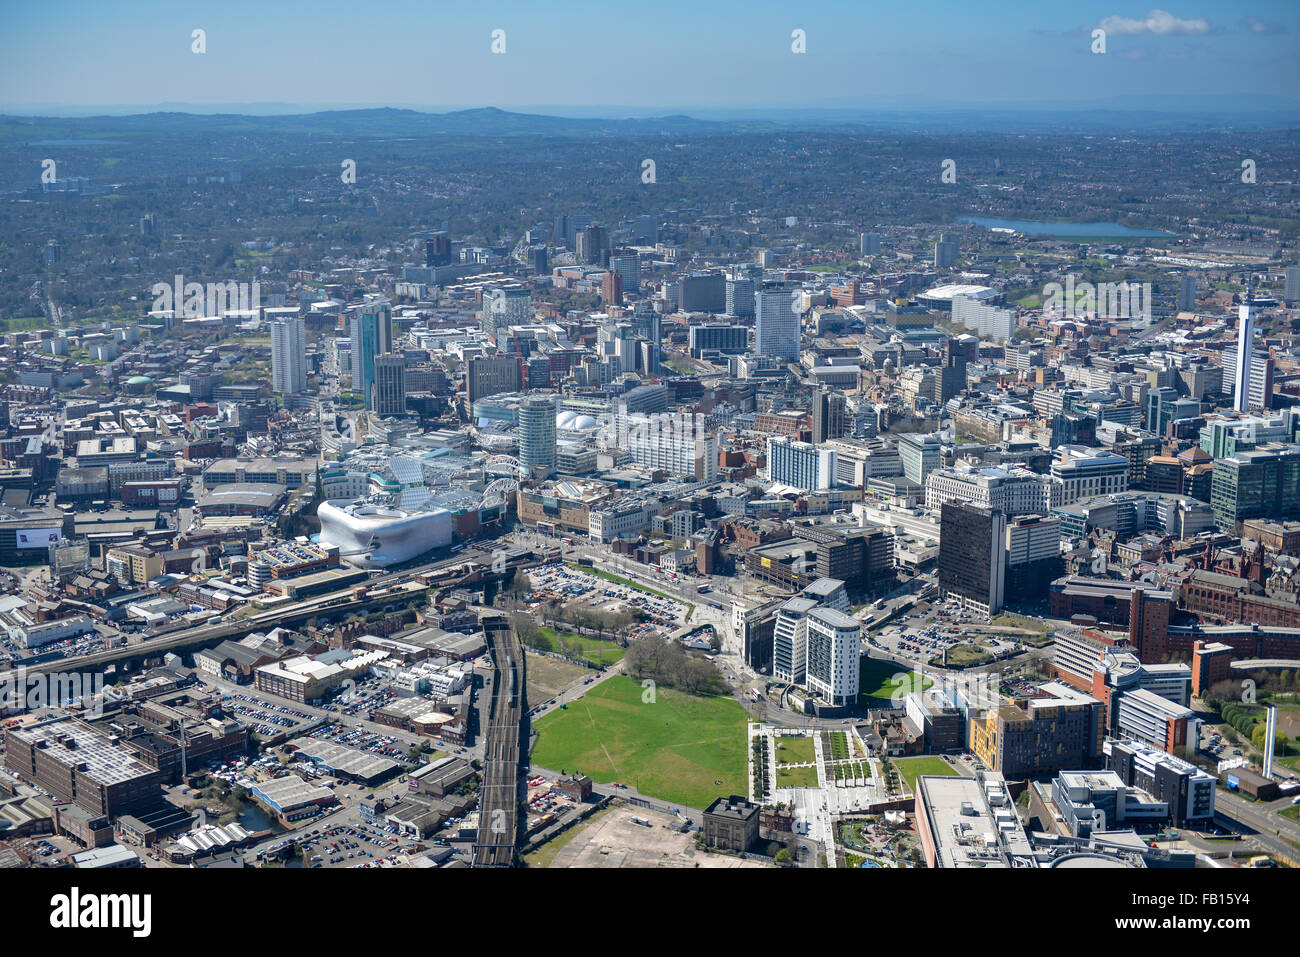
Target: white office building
{"x":920,"y":455}
{"x":1032,"y":539}
{"x":620,"y":519}
{"x":800,"y":465}
{"x":986,"y":321}
{"x":857,"y":462}
{"x":1292,"y":292}
{"x":1149,"y":718}
{"x":674,"y":442}
{"x":777,"y":312}
{"x":1081,"y":472}
{"x":1015,"y":491}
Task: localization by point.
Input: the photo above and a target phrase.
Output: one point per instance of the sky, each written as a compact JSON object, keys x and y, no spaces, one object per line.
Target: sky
{"x":96,"y":56}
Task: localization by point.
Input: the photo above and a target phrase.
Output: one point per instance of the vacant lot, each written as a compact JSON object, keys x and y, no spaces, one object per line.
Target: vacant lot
{"x":613,"y":839}
{"x":1012,"y":620}
{"x":548,"y":676}
{"x":544,"y":855}
{"x":678,"y":747}
{"x":912,"y":768}
{"x":965,"y":656}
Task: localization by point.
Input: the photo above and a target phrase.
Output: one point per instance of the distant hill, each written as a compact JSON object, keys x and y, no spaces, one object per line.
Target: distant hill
{"x":384,"y":122}
{"x":1116,"y":115}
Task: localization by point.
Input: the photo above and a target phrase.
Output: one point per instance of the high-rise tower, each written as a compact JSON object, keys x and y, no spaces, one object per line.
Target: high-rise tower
{"x":288,"y":356}
{"x":1245,"y":346}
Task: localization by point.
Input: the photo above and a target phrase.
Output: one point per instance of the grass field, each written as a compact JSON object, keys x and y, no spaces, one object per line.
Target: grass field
{"x":598,"y":652}
{"x":912,"y":768}
{"x":800,"y":777}
{"x":1036,"y":641}
{"x":795,"y":750}
{"x":876,"y":682}
{"x":676,"y":748}
{"x":1010,"y":619}
{"x":24,"y":323}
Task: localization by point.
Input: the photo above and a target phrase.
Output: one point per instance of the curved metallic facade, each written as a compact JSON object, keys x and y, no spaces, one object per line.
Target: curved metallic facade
{"x":377,"y":535}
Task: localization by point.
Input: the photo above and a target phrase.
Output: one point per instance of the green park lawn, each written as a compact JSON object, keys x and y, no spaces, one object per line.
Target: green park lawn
{"x":676,"y":748}
{"x":795,"y":750}
{"x":912,"y":768}
{"x":876,"y":682}
{"x":598,"y":652}
{"x":799,"y":777}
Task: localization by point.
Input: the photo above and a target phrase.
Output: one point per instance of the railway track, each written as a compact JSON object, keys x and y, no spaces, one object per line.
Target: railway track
{"x":498,"y":830}
{"x":189,"y":639}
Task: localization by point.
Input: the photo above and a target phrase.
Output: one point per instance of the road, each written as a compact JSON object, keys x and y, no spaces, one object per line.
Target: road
{"x":1262,"y":822}
{"x":576,"y":691}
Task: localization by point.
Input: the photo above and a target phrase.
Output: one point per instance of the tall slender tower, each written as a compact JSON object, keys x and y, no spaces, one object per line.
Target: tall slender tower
{"x":1245,"y":345}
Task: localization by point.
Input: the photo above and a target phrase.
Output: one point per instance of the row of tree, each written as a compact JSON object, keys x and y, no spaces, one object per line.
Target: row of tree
{"x":556,"y":615}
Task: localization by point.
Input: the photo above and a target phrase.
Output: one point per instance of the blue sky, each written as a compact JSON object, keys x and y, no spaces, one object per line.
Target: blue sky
{"x":658,"y":53}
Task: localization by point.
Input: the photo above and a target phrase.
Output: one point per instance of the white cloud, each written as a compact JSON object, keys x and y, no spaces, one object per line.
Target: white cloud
{"x":1256,"y":25}
{"x":1155,"y":23}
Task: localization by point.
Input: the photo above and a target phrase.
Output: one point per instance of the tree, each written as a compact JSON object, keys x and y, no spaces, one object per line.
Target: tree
{"x":784,"y":856}
{"x":519,"y":584}
{"x":1258,"y":738}
{"x":529,"y":633}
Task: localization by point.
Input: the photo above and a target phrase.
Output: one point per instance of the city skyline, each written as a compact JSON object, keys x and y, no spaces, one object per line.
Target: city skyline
{"x":685,"y":437}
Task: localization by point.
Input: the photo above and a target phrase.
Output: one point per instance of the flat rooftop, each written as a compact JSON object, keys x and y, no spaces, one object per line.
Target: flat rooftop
{"x":346,"y":761}
{"x":291,"y":791}
{"x":70,"y":742}
{"x":969,"y":831}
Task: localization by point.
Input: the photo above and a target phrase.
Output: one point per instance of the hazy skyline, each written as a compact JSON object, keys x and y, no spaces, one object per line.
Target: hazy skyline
{"x":669,"y":54}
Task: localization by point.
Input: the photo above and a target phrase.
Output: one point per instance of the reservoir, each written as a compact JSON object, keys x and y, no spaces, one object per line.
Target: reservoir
{"x":1079,"y":230}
